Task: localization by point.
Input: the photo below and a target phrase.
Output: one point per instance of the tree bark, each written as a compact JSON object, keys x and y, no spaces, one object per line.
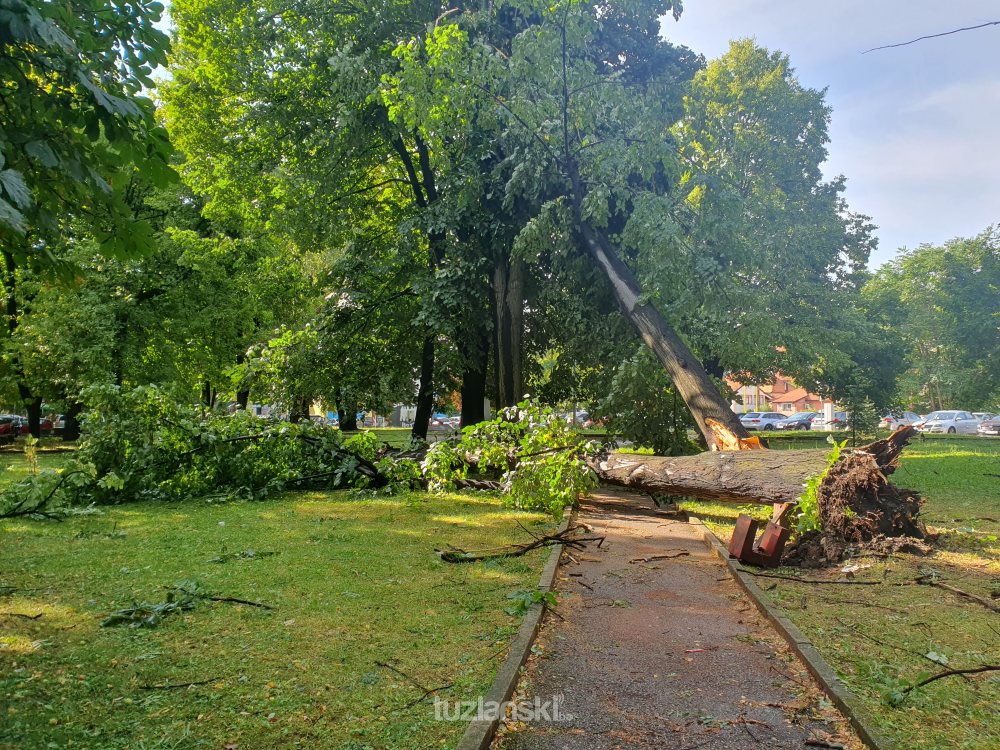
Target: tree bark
{"x":71,"y":421}
{"x":689,"y":377}
{"x":33,"y":404}
{"x":208,"y":394}
{"x":508,"y":311}
{"x":855,"y":503}
{"x":299,"y":410}
{"x":347,"y":416}
{"x":726,"y":476}
{"x":473,"y":389}
{"x":242,"y":395}
{"x":425,"y":392}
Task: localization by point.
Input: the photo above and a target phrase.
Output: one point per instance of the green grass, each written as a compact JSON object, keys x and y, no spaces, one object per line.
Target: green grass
{"x":877,"y":637}
{"x":354,"y":582}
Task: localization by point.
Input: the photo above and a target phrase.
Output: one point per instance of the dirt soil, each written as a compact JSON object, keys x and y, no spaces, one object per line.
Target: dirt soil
{"x":665,"y":654}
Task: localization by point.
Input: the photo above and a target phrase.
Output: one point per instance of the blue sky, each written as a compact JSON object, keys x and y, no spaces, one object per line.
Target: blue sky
{"x":915,"y":129}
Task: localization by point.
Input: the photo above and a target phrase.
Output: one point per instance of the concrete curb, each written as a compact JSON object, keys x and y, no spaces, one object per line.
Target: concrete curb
{"x":838,"y":692}
{"x":480,"y":732}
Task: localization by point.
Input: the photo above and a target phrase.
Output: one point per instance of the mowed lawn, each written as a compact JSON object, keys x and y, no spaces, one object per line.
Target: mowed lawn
{"x":882,"y":638}
{"x":361,"y":599}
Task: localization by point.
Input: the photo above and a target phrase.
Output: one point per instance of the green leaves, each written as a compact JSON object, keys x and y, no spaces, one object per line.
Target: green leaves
{"x":807,"y":510}
{"x":74,"y":122}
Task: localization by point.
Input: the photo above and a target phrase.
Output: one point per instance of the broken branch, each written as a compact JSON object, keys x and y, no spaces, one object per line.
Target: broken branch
{"x":679,"y":553}
{"x":929,"y":581}
{"x":565,"y":538}
{"x":951,"y":673}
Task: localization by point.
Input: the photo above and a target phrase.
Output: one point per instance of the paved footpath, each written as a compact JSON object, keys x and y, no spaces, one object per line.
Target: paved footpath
{"x":666,"y":654}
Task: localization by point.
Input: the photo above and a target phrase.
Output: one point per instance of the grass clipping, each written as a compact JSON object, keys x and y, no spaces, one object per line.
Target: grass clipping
{"x":860,"y":510}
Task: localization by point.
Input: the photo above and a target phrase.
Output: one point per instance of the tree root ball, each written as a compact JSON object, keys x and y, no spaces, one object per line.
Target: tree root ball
{"x":860,"y":510}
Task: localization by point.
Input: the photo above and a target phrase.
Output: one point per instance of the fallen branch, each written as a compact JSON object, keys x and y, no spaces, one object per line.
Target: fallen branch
{"x":20,"y":614}
{"x":426,"y":691}
{"x":796,"y":579}
{"x":234,"y":600}
{"x":178,"y":686}
{"x":456,"y":555}
{"x":951,"y":673}
{"x":679,"y":553}
{"x":929,"y":581}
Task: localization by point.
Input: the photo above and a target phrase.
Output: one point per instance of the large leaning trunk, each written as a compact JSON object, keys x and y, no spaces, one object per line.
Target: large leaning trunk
{"x":857,"y":504}
{"x":687,"y":373}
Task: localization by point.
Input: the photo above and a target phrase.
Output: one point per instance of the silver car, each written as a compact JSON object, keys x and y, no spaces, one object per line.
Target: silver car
{"x":761,"y":420}
{"x":950,"y":422}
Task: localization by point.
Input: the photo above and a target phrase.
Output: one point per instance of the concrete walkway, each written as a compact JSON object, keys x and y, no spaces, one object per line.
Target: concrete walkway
{"x":664,"y":654}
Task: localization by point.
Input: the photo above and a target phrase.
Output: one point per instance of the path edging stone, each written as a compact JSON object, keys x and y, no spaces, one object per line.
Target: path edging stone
{"x":480,"y":732}
{"x":838,"y":692}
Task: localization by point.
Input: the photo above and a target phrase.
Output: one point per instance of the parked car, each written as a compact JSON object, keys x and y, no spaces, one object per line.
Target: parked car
{"x":10,"y":427}
{"x":950,"y":422}
{"x":14,"y":425}
{"x":761,"y":420}
{"x":989,"y":427}
{"x":982,"y":416}
{"x":895,"y":420}
{"x":799,"y":421}
{"x":840,"y":421}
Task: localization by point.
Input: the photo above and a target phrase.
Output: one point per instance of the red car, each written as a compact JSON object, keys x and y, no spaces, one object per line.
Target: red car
{"x":13,"y":425}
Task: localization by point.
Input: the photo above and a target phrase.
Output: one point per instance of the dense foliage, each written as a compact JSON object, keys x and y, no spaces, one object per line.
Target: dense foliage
{"x":141,"y":444}
{"x":943,"y":304}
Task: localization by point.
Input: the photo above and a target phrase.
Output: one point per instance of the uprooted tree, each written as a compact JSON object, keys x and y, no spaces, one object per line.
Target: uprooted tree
{"x":579,"y":105}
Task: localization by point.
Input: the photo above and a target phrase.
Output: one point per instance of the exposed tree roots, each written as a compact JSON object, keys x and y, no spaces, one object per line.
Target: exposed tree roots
{"x":859,"y":509}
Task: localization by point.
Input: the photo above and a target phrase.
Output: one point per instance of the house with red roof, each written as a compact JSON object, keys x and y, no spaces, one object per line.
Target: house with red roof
{"x":780,"y":395}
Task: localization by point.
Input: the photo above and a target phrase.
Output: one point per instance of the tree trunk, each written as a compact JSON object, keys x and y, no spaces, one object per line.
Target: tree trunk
{"x":473,"y":389}
{"x":243,"y":394}
{"x":33,"y":404}
{"x":208,"y":394}
{"x":71,"y":421}
{"x":855,"y":503}
{"x":726,"y":476}
{"x":689,"y":377}
{"x":299,"y":410}
{"x":347,"y":416}
{"x":425,"y":393}
{"x":508,"y":312}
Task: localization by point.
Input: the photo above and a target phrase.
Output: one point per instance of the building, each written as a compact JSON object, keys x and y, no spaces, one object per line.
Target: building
{"x":780,"y":395}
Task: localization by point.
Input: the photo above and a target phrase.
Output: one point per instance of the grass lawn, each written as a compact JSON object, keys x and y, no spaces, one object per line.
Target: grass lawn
{"x":354,"y":583}
{"x":885,"y":637}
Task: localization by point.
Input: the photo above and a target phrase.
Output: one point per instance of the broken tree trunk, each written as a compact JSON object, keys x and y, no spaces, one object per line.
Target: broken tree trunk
{"x":857,"y":504}
{"x":689,"y":377}
{"x":727,"y":476}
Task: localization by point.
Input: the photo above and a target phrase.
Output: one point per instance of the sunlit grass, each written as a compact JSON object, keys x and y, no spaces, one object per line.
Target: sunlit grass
{"x":877,"y":637}
{"x":354,"y":582}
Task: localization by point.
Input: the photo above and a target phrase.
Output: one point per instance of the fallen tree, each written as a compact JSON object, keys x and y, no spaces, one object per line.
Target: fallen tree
{"x":857,"y":505}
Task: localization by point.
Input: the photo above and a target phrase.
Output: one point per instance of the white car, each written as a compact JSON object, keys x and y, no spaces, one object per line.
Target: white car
{"x":761,"y":420}
{"x":990,"y":426}
{"x":950,"y":422}
{"x":896,"y":420}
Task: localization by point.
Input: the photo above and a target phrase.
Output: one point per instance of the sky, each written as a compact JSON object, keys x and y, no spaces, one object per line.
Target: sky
{"x":915,"y":129}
